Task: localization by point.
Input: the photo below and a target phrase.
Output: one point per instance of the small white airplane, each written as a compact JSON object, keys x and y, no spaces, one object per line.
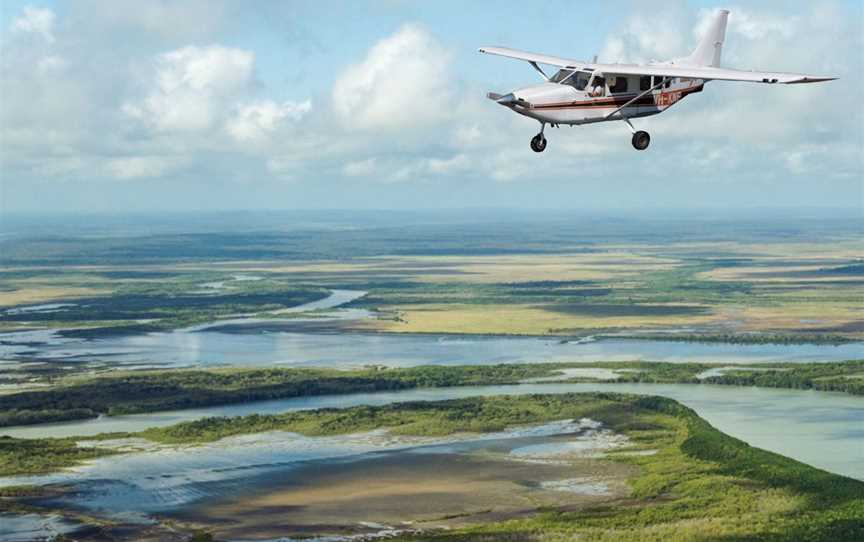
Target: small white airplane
{"x":583,"y":93}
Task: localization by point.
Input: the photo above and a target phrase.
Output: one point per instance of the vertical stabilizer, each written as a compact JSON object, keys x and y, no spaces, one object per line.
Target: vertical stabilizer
{"x":707,"y":53}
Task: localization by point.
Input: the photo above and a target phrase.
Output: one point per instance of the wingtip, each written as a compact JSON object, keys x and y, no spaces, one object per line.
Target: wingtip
{"x":811,"y":80}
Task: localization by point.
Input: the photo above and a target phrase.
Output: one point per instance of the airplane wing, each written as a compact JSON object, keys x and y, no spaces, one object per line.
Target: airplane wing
{"x":671,"y":70}
{"x":708,"y":73}
{"x":532,"y":57}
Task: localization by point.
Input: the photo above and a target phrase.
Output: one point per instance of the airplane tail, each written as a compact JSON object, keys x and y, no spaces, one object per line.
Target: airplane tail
{"x":707,"y":53}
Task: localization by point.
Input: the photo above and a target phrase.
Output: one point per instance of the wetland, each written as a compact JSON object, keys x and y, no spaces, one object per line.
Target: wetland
{"x":432,"y":377}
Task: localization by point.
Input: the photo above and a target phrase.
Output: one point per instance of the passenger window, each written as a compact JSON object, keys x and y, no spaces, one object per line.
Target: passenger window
{"x":657,"y":79}
{"x":668,"y":82}
{"x":644,"y":82}
{"x":618,"y":85}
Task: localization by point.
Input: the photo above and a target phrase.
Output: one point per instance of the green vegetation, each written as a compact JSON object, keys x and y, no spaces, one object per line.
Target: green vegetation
{"x":39,"y":456}
{"x":411,"y":418}
{"x":747,"y":338}
{"x":700,"y":484}
{"x":846,"y":376}
{"x":153,"y":391}
{"x":185,"y":299}
{"x":568,"y":275}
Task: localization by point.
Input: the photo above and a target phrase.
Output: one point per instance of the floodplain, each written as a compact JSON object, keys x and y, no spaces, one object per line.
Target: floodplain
{"x":112,"y":320}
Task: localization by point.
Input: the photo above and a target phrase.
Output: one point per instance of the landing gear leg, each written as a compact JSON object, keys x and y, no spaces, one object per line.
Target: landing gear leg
{"x":641,"y":139}
{"x":538,"y":142}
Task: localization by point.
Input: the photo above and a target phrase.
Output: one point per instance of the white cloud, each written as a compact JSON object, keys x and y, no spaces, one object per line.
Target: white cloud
{"x":467,"y":136}
{"x":439,"y":166}
{"x":189,"y":21}
{"x":360,"y":168}
{"x":254,"y":122}
{"x":750,"y":24}
{"x":85,"y":98}
{"x":140,"y":167}
{"x":647,"y":35}
{"x":190,"y":86}
{"x":403,"y":82}
{"x":38,"y":21}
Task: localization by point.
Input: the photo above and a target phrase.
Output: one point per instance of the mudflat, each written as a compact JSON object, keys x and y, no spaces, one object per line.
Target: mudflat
{"x":411,"y":491}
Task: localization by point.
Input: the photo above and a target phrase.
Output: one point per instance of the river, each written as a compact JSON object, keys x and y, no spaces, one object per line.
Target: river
{"x":242,"y":342}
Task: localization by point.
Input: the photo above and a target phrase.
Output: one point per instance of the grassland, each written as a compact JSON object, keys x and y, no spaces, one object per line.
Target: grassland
{"x":144,"y":300}
{"x":551,"y":275}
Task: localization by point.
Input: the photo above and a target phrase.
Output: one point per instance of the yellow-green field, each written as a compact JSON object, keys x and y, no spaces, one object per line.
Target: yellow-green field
{"x":703,"y":288}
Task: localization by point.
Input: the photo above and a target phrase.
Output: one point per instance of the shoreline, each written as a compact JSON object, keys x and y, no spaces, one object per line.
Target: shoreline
{"x":837,"y":377}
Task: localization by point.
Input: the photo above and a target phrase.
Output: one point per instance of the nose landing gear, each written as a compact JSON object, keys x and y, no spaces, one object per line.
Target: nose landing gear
{"x":538,"y":142}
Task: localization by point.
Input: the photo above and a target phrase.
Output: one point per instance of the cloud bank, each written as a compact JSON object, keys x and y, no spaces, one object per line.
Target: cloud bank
{"x":181,"y":102}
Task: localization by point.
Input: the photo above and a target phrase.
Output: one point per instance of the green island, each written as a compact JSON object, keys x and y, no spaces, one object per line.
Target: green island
{"x":152,"y":391}
{"x":696,"y":482}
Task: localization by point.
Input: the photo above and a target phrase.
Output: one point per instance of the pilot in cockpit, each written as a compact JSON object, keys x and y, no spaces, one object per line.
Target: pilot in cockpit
{"x":598,"y":87}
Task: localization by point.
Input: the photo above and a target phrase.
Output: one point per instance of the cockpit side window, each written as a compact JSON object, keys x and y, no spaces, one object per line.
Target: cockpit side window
{"x":581,"y":80}
{"x":559,"y":76}
{"x":578,"y":80}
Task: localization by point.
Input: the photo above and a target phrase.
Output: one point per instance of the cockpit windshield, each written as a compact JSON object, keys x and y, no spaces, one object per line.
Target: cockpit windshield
{"x":579,"y":80}
{"x":559,"y":76}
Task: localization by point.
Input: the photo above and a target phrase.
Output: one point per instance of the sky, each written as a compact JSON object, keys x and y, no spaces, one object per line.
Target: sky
{"x":121,"y":106}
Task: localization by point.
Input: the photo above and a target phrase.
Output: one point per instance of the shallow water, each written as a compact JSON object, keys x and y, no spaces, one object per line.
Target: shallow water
{"x":204,"y":348}
{"x":29,"y":527}
{"x":822,"y":429}
{"x":167,"y":478}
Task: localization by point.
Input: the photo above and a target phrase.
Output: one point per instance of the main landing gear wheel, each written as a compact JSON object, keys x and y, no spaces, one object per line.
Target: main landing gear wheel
{"x":538,"y":143}
{"x":641,"y":140}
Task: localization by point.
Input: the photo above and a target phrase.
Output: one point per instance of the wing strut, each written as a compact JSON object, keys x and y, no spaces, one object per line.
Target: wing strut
{"x":536,"y":67}
{"x":650,"y":90}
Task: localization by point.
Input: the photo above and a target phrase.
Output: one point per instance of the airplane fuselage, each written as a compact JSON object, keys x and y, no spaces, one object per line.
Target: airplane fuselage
{"x":555,"y":103}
